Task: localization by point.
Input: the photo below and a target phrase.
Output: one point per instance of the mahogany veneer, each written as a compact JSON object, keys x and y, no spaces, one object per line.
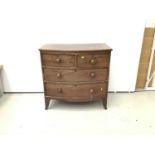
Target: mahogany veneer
{"x":75,"y":72}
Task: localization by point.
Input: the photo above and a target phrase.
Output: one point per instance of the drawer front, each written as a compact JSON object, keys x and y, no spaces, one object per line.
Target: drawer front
{"x":81,"y":92}
{"x":58,"y":60}
{"x":75,"y":75}
{"x":93,"y":60}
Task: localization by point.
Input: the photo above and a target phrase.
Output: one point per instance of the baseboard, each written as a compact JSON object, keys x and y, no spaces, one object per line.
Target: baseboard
{"x":20,"y":92}
{"x":43,"y":92}
{"x":144,"y":90}
{"x":121,"y":91}
{"x":108,"y":92}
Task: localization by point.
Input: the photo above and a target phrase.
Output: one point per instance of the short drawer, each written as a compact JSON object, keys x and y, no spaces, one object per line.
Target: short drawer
{"x":75,"y":75}
{"x":58,"y":60}
{"x":93,"y":60}
{"x":79,"y":92}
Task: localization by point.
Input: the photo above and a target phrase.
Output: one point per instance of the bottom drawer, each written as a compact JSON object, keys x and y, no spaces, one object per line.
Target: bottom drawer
{"x":76,"y":93}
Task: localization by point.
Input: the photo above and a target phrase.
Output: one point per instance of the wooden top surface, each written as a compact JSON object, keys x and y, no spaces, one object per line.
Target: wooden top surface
{"x":75,"y":47}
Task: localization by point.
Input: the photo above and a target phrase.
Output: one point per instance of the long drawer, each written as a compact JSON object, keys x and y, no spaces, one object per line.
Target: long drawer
{"x":73,"y":75}
{"x":79,"y":92}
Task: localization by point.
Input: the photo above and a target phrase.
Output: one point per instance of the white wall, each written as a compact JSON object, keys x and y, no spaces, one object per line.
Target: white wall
{"x":28,"y":24}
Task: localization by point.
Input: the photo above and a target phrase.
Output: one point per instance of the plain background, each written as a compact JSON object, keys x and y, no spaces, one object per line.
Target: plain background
{"x":28,"y":24}
{"x":25,"y":25}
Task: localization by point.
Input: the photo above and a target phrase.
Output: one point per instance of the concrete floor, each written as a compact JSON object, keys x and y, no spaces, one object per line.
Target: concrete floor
{"x":127,"y":127}
{"x":128,"y":113}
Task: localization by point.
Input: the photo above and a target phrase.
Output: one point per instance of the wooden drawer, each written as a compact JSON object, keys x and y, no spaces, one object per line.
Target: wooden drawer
{"x":93,"y":60}
{"x":79,"y":92}
{"x":75,"y":75}
{"x":58,"y":60}
{"x":75,"y":72}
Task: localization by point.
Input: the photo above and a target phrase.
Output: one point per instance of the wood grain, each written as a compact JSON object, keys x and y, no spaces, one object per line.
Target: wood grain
{"x":75,"y":72}
{"x":64,"y":75}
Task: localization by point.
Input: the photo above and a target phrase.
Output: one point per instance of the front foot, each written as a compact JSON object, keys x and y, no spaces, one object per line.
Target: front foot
{"x":105,"y":103}
{"x":47,"y":102}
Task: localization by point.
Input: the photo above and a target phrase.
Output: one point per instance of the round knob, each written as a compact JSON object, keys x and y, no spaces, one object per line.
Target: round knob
{"x":58,"y":60}
{"x":91,"y":90}
{"x":92,"y":74}
{"x":92,"y":61}
{"x":82,"y":57}
{"x":101,"y":89}
{"x":59,"y":75}
{"x":59,"y":90}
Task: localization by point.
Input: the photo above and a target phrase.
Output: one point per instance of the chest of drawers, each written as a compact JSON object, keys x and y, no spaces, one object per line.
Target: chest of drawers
{"x":75,"y":72}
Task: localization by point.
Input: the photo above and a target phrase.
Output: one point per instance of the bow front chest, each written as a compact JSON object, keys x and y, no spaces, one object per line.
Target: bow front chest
{"x":75,"y":72}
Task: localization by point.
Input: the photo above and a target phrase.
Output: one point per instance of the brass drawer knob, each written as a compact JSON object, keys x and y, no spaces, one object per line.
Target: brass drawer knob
{"x":82,"y":57}
{"x":92,"y":74}
{"x":59,"y":90}
{"x":58,"y":60}
{"x":59,"y":75}
{"x":91,"y":90}
{"x":101,"y":89}
{"x":92,"y":61}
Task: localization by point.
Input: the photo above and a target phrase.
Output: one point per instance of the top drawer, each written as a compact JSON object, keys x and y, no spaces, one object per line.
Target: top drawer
{"x":58,"y":60}
{"x":93,"y":60}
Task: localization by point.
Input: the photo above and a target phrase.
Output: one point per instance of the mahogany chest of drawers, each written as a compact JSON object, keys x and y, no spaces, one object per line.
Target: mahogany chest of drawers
{"x":75,"y":72}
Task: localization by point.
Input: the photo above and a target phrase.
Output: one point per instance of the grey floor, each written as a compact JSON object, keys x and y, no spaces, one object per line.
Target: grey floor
{"x":128,"y":113}
{"x":127,"y":127}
